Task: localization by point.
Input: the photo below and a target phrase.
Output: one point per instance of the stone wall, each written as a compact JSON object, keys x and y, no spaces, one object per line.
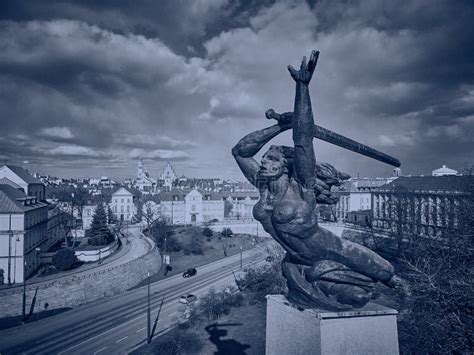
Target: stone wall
{"x":74,"y":290}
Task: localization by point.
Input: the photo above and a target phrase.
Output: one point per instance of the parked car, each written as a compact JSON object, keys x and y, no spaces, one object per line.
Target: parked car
{"x":187,"y":299}
{"x":190,"y":272}
{"x":270,"y":259}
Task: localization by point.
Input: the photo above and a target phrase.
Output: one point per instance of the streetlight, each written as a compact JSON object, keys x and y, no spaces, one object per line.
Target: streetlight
{"x":241,"y":256}
{"x":148,"y":313}
{"x":23,"y":308}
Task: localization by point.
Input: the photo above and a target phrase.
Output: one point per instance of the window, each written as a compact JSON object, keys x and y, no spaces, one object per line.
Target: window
{"x":128,"y":208}
{"x":128,"y":200}
{"x":121,"y":200}
{"x":121,"y":208}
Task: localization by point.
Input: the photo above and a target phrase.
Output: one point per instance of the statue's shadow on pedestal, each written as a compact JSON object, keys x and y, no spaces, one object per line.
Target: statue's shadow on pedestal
{"x":225,"y":346}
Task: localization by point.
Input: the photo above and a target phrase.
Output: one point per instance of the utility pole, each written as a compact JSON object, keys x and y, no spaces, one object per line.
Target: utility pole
{"x":148,"y":315}
{"x":241,"y":256}
{"x":23,"y":308}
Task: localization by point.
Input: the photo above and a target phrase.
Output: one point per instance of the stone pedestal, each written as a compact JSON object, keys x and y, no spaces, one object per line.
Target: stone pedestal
{"x":368,"y":330}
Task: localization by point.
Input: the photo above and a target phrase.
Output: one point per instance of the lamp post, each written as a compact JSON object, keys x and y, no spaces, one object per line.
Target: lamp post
{"x":23,"y":308}
{"x":148,"y":315}
{"x":241,"y":256}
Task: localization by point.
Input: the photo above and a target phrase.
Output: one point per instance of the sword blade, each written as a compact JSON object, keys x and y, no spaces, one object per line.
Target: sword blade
{"x":347,"y":143}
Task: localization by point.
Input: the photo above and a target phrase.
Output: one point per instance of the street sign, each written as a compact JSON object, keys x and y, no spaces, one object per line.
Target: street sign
{"x":166,"y":259}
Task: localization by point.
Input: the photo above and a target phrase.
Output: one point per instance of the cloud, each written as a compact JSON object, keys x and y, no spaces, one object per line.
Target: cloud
{"x":56,"y":132}
{"x":185,"y":82}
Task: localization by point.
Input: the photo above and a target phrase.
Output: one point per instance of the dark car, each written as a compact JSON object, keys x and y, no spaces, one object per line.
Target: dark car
{"x":190,"y":272}
{"x":270,"y":259}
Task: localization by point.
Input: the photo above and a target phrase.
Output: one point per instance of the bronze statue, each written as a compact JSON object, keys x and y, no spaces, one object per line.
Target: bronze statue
{"x":322,"y":270}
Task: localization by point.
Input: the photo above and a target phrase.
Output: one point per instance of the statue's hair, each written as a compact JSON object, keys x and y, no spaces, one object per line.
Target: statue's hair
{"x":325,"y":176}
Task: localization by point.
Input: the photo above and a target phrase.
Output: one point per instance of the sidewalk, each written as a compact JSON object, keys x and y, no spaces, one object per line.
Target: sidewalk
{"x":138,"y":246}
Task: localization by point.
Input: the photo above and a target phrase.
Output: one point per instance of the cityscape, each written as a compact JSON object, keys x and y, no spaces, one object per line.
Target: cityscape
{"x":149,"y":204}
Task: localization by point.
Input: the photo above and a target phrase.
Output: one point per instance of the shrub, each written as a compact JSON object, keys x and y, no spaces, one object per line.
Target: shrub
{"x":207,"y":232}
{"x":215,"y":304}
{"x":227,"y":232}
{"x":264,"y":280}
{"x":64,"y":259}
{"x":172,"y":244}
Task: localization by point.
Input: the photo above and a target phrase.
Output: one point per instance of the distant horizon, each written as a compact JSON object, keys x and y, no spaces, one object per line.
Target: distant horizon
{"x":32,"y":169}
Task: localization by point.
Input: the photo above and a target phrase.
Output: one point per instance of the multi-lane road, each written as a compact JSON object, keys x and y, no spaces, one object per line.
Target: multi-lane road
{"x":119,"y":324}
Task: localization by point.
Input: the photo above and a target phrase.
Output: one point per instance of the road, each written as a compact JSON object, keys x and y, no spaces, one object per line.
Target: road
{"x":117,"y":325}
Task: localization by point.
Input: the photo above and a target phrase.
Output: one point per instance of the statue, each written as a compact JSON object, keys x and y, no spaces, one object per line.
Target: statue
{"x":322,"y":270}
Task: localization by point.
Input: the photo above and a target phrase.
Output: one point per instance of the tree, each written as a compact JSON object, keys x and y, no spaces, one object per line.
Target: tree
{"x":207,"y":232}
{"x":64,"y":259}
{"x":111,"y":218}
{"x":195,"y":246}
{"x":228,"y":206}
{"x":99,"y":233}
{"x":158,"y":232}
{"x":440,"y":315}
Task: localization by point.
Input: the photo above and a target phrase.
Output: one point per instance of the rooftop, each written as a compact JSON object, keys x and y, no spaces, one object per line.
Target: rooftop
{"x":15,"y":201}
{"x":23,"y":174}
{"x":446,"y":183}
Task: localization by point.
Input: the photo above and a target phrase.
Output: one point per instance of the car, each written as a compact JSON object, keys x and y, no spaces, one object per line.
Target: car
{"x":186,"y":299}
{"x":270,"y":259}
{"x":190,"y":272}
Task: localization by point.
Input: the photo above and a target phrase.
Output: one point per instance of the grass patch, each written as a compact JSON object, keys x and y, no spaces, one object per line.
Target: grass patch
{"x":214,"y":247}
{"x":242,"y":331}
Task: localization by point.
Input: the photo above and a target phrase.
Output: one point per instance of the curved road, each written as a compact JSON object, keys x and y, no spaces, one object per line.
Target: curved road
{"x":118,"y":325}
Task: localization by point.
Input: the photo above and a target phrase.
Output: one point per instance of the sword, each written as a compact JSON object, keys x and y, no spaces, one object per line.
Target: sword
{"x":339,"y":140}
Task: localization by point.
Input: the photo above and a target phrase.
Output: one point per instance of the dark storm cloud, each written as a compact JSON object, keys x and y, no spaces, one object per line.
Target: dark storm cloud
{"x":183,"y":80}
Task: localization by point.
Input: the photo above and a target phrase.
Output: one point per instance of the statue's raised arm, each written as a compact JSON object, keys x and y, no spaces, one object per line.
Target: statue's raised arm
{"x":303,"y":122}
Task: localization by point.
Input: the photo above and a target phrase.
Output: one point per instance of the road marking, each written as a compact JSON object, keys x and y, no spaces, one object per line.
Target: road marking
{"x":125,"y":337}
{"x":139,"y":330}
{"x":98,"y":335}
{"x":172,"y":314}
{"x":98,"y":351}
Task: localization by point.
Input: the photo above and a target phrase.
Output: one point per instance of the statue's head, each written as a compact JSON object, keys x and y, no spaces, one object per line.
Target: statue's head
{"x":278,"y":160}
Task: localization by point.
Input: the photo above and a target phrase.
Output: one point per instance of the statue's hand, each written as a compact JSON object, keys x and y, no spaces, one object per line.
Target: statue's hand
{"x":284,"y":119}
{"x":306,"y":69}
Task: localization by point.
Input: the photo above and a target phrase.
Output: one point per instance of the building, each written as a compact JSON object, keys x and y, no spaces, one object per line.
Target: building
{"x":23,"y":233}
{"x":168,"y":176}
{"x":18,"y":177}
{"x":87,"y":214}
{"x":143,"y":182}
{"x":355,"y":196}
{"x":123,"y":204}
{"x":422,"y":205}
{"x":241,"y":204}
{"x":191,"y":207}
{"x":444,"y":170}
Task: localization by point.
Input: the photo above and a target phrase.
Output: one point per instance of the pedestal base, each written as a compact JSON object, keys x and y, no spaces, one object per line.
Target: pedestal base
{"x":368,"y":330}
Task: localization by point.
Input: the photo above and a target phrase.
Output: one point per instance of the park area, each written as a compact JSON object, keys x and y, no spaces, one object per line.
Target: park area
{"x":194,"y":246}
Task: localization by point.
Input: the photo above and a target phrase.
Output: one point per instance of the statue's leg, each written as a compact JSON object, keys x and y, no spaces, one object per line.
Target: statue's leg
{"x":354,"y":255}
{"x":346,"y":293}
{"x":303,"y":293}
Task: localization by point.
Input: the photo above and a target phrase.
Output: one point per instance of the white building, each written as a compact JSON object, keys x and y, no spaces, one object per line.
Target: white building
{"x":191,"y":207}
{"x":444,"y":170}
{"x":144,"y":182}
{"x":23,"y":233}
{"x":18,"y":177}
{"x":242,"y":204}
{"x":123,"y":204}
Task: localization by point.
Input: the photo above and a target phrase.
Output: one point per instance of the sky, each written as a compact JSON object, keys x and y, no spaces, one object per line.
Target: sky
{"x":88,"y":87}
